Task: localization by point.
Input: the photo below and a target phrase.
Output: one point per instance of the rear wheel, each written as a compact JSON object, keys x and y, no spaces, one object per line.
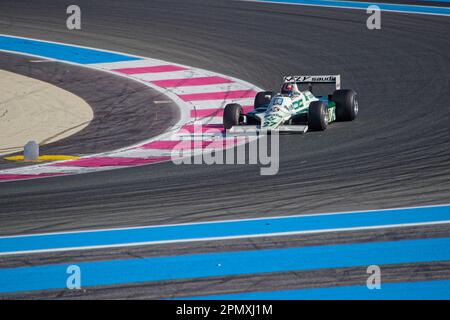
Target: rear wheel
{"x":233,"y":115}
{"x":346,"y":105}
{"x":318,"y":116}
{"x":263,"y":98}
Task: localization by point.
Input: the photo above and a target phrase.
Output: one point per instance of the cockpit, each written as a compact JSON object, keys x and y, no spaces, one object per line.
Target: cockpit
{"x":290,"y":88}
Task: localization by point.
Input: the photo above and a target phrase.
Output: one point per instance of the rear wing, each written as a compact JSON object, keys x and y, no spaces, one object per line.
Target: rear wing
{"x":336,"y":79}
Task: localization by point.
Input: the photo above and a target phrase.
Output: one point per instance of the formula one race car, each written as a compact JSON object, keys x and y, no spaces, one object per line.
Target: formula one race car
{"x":293,"y":110}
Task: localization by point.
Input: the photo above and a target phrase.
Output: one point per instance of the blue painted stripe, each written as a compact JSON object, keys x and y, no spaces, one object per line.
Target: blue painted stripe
{"x":364,"y":5}
{"x":60,"y":51}
{"x":227,"y":264}
{"x":310,"y":223}
{"x":420,"y":290}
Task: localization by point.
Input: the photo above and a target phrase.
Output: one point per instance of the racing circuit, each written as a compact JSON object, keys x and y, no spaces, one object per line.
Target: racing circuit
{"x":153,"y":229}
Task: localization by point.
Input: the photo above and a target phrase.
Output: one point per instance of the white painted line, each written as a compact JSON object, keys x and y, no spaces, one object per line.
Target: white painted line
{"x":366,"y":4}
{"x":209,"y":88}
{"x":162,"y":101}
{"x":42,"y":61}
{"x":219,"y":104}
{"x":148,"y":153}
{"x":182,"y":74}
{"x":129,"y":64}
{"x":229,"y":220}
{"x":250,"y":236}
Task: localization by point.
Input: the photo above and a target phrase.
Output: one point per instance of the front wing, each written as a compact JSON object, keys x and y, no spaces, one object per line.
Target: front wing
{"x":256,"y":129}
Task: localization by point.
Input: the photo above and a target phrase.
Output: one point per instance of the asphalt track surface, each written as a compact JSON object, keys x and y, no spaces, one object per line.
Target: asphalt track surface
{"x":396,"y":154}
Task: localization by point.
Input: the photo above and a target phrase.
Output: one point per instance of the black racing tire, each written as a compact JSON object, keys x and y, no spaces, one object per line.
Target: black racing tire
{"x":346,"y":105}
{"x":317,"y":116}
{"x":232,"y":115}
{"x":263,"y":98}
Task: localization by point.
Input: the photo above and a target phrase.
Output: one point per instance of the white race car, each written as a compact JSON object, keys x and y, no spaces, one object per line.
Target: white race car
{"x":293,"y":110}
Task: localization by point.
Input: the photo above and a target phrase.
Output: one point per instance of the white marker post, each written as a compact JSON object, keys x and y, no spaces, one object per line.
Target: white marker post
{"x":31,"y":151}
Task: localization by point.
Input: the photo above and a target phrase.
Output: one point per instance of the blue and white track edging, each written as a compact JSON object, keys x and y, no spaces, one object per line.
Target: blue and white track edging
{"x":224,"y":230}
{"x":359,"y":5}
{"x":225,"y":264}
{"x":201,"y":96}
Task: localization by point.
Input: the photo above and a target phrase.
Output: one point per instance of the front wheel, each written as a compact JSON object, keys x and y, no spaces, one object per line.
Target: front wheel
{"x":346,"y":105}
{"x":318,"y":116}
{"x":262,"y":99}
{"x":232,"y":115}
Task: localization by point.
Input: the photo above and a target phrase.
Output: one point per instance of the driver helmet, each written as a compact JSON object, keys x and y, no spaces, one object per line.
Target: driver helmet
{"x":289,"y":88}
